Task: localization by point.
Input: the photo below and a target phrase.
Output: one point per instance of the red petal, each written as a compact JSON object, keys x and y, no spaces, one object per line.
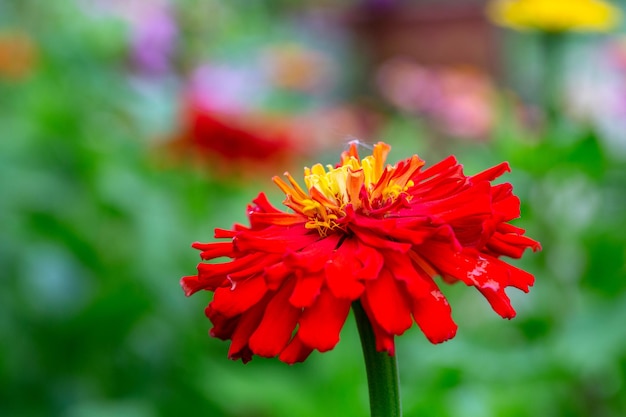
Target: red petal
{"x":505,"y":204}
{"x":321,"y":323}
{"x":224,"y":234}
{"x":296,"y":351}
{"x":233,"y":301}
{"x":405,"y":170}
{"x":509,"y":228}
{"x":258,"y":219}
{"x":274,"y":239}
{"x":518,"y":278}
{"x":342,"y":272}
{"x":214,"y":250}
{"x":192,"y":284}
{"x":474,"y":201}
{"x":440,"y":168}
{"x":439,"y":180}
{"x":264,"y":205}
{"x":433,"y":314}
{"x":279,"y":320}
{"x":276,"y":274}
{"x":371,"y":260}
{"x":499,"y":301}
{"x":511,"y":245}
{"x":306,"y":290}
{"x":488,"y":274}
{"x":314,"y":256}
{"x":388,"y":303}
{"x":412,"y":230}
{"x":246,"y":325}
{"x":403,"y":270}
{"x":434,"y":318}
{"x":223,"y":327}
{"x":376,"y":241}
{"x":492,"y":173}
{"x":214,"y":274}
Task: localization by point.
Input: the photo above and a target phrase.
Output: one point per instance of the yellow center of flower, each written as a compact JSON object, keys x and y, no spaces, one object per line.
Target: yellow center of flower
{"x":353,"y":182}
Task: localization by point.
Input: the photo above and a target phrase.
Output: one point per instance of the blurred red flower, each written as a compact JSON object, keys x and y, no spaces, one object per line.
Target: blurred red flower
{"x":223,"y":127}
{"x":361,"y":231}
{"x":234,"y":138}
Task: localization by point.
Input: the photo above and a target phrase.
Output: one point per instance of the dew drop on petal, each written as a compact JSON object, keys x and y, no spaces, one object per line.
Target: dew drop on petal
{"x":233,"y":284}
{"x":491,"y":284}
{"x":437,"y":294}
{"x":478,"y":270}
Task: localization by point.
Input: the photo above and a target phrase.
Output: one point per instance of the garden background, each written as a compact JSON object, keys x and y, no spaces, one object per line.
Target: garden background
{"x":130,"y":129}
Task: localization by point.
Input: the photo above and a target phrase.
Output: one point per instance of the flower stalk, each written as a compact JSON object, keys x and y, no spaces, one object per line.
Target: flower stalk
{"x":552,"y":44}
{"x":381,"y":369}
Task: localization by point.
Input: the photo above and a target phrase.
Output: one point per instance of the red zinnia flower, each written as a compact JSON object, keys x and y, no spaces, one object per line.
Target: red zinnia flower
{"x":361,"y":231}
{"x":233,"y":139}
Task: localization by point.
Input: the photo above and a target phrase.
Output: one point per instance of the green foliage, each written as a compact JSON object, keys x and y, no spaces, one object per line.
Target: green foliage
{"x":96,"y":233}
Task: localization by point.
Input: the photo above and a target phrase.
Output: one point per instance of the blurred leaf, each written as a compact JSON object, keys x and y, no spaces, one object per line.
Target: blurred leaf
{"x":582,"y":154}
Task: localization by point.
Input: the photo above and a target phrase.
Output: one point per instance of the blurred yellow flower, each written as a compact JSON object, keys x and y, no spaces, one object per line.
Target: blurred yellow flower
{"x":554,"y":15}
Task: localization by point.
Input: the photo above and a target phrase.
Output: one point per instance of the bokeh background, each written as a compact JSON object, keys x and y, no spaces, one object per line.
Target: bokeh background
{"x":131,"y":128}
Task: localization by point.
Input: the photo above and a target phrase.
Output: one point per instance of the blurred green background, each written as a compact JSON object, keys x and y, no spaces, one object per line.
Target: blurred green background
{"x":108,"y":174}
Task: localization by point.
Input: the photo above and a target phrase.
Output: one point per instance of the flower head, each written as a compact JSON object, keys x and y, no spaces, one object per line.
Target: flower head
{"x":365,"y":231}
{"x":555,"y":15}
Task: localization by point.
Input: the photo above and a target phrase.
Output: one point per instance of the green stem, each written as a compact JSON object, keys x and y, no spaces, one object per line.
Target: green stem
{"x":551,"y":83}
{"x":381,"y":368}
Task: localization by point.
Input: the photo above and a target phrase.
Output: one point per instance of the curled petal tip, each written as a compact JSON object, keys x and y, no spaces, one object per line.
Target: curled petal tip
{"x":187,"y":289}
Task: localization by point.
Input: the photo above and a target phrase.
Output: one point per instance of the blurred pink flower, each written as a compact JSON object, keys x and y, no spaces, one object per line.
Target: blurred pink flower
{"x":154,"y":41}
{"x":292,"y":66}
{"x":458,"y":101}
{"x":153,"y":30}
{"x":227,"y":88}
{"x":595,"y":91}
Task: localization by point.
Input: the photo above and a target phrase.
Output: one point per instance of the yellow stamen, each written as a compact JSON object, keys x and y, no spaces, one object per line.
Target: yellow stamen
{"x":331,"y":189}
